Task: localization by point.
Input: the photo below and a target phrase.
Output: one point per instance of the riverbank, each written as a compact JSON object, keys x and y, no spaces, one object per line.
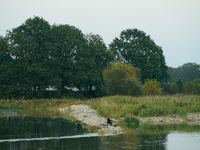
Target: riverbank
{"x":89,"y":116}
{"x":155,"y":110}
{"x":190,"y":119}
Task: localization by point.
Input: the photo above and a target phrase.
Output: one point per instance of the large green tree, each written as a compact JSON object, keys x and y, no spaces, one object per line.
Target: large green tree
{"x":93,"y":59}
{"x":67,"y":45}
{"x":29,"y":45}
{"x":8,"y":83}
{"x":135,"y":47}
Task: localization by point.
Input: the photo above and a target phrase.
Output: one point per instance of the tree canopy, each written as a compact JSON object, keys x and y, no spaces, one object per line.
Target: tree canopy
{"x":121,"y":79}
{"x":8,"y":82}
{"x":94,"y":60}
{"x":67,"y":43}
{"x":187,"y":72}
{"x":57,"y":56}
{"x":36,"y":56}
{"x":29,"y":45}
{"x":135,"y":47}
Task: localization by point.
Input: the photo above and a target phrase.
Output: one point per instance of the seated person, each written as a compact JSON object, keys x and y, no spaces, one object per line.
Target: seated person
{"x":109,"y":122}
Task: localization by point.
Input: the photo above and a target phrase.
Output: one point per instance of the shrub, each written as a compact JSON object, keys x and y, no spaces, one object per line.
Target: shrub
{"x":167,"y":88}
{"x":121,"y":79}
{"x":196,"y":86}
{"x":131,"y":122}
{"x":179,"y":82}
{"x":152,"y":87}
{"x":188,"y":88}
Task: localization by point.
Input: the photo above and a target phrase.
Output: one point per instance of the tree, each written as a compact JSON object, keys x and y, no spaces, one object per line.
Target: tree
{"x":179,"y":82}
{"x":121,"y":79}
{"x":67,"y":44}
{"x":135,"y":47}
{"x":196,"y":86}
{"x":7,"y":77}
{"x":152,"y":87}
{"x":93,"y":60}
{"x":29,"y":45}
{"x":187,"y":72}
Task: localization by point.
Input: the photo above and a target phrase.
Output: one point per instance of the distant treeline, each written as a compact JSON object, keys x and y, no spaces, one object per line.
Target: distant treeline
{"x":37,"y":56}
{"x":184,"y":79}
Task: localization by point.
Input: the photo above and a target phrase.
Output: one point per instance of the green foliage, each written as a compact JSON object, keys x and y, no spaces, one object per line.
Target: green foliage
{"x":135,"y":47}
{"x":7,"y":75}
{"x":196,"y":86}
{"x":67,"y":44}
{"x":187,"y":72}
{"x":152,"y":112}
{"x":35,"y":56}
{"x":131,"y":122}
{"x":29,"y":45}
{"x":93,"y":59}
{"x":121,"y":79}
{"x":188,"y":88}
{"x":152,"y":87}
{"x":121,"y":106}
{"x":192,"y":87}
{"x":180,"y":85}
{"x":167,"y":88}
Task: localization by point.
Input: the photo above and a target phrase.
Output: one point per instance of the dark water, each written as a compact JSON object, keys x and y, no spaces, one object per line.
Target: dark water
{"x":58,"y":134}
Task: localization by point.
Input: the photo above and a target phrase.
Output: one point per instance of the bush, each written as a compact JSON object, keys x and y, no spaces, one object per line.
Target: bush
{"x":152,"y":87}
{"x":121,"y":79}
{"x":196,"y":86}
{"x":179,"y":83}
{"x":188,"y":88}
{"x":131,"y":122}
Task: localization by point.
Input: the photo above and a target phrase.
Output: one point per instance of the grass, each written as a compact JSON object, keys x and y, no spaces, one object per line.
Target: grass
{"x":39,"y":107}
{"x":145,"y":106}
{"x":117,"y":107}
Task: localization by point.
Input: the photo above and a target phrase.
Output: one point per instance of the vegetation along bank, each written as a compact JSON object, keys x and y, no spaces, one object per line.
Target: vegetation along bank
{"x":157,"y":110}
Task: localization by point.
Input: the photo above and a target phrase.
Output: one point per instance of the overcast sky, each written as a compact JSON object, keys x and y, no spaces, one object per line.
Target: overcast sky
{"x":172,"y":24}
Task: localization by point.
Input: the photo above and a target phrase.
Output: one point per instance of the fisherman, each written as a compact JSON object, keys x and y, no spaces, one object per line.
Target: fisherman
{"x":109,"y":122}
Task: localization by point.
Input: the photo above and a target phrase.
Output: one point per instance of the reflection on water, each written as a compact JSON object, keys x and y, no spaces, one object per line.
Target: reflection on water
{"x":15,"y":128}
{"x":60,"y":134}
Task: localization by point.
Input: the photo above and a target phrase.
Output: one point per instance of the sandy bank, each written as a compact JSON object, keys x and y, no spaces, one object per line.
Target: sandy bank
{"x":89,"y":116}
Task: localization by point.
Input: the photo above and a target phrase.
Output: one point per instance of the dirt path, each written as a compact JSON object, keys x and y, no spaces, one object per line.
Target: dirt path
{"x":89,"y":116}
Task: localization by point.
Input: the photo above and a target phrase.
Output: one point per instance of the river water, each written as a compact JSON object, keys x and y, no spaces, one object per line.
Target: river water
{"x":29,"y":133}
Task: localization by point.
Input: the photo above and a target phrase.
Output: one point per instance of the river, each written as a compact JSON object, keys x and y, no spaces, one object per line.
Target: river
{"x":31,"y":133}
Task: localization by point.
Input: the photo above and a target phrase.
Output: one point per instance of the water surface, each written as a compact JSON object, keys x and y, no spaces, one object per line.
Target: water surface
{"x":31,"y":133}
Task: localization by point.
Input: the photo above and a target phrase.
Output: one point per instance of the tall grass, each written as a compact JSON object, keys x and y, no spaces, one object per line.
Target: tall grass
{"x":38,"y":107}
{"x":117,"y":106}
{"x":144,"y":106}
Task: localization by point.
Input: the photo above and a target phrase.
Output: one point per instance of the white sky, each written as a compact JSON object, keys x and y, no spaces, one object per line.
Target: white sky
{"x":172,"y":24}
